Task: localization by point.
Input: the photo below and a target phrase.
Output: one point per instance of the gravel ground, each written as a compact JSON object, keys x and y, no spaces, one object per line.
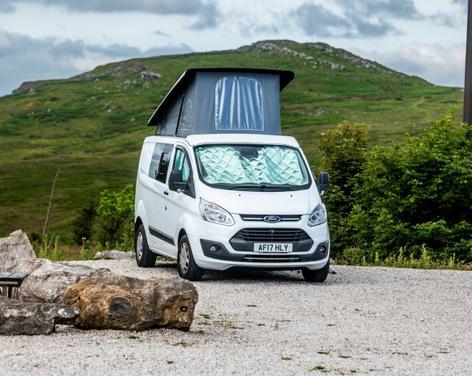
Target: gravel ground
{"x":377,"y":321}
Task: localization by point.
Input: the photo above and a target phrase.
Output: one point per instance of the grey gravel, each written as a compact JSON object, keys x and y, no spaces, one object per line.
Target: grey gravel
{"x":377,"y":321}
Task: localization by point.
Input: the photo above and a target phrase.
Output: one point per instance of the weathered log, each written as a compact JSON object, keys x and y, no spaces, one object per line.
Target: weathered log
{"x":17,"y":317}
{"x":110,"y":301}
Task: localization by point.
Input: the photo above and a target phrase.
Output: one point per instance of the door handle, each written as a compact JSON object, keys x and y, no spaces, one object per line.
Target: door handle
{"x":166,"y":193}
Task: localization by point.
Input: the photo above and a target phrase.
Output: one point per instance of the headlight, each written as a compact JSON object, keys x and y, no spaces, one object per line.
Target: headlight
{"x":216,"y":214}
{"x":317,"y":216}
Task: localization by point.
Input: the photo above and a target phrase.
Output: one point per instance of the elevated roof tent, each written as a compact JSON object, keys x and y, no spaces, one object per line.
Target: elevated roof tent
{"x":222,"y":100}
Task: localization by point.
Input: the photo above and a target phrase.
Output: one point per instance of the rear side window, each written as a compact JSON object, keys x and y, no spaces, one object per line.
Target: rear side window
{"x":160,"y":161}
{"x":145,"y":159}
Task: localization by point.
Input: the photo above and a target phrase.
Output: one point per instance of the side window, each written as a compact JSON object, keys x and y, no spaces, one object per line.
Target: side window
{"x":181,"y":163}
{"x":160,"y":162}
{"x":145,"y":159}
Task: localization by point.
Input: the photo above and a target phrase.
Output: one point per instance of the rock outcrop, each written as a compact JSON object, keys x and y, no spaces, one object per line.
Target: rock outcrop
{"x":105,"y":300}
{"x":17,"y":317}
{"x":110,"y":301}
{"x":149,"y":75}
{"x":16,"y":253}
{"x":46,"y":281}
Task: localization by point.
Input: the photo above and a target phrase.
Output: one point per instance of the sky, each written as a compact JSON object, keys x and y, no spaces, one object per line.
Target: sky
{"x":44,"y":39}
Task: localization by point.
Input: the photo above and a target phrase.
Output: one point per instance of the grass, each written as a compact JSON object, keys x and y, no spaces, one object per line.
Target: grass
{"x":92,"y":126}
{"x":51,"y":248}
{"x":425,"y":261}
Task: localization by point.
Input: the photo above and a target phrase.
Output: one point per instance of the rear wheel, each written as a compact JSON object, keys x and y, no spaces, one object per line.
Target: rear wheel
{"x":145,"y":258}
{"x":186,"y":265}
{"x":316,"y":275}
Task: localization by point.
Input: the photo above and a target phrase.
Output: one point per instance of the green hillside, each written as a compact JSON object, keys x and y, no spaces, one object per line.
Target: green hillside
{"x":92,"y":125}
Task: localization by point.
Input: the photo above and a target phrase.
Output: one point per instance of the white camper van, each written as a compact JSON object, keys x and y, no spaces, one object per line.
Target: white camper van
{"x":219,"y":187}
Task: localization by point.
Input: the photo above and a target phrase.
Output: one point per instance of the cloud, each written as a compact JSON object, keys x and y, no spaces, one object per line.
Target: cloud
{"x":205,"y":11}
{"x":6,"y":8}
{"x":208,"y":16}
{"x":317,"y":20}
{"x":445,"y":19}
{"x":23,"y":58}
{"x":399,"y":9}
{"x":161,"y":33}
{"x":364,"y":18}
{"x":436,"y":63}
{"x":461,"y":2}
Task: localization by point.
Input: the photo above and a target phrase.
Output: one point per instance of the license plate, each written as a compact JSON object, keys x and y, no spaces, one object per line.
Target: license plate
{"x":273,"y":247}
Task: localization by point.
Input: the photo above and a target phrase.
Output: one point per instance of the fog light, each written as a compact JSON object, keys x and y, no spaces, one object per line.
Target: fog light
{"x":213,"y":248}
{"x":322,"y":250}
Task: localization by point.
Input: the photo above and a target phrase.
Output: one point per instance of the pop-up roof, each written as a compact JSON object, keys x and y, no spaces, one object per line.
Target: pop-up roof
{"x":222,"y":100}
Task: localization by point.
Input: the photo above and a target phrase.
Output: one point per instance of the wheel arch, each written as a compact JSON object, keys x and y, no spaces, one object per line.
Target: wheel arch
{"x":138,"y":222}
{"x":182,"y":232}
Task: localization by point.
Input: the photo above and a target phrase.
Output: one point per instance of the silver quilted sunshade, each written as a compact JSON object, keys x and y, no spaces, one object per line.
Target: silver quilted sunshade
{"x":251,"y":164}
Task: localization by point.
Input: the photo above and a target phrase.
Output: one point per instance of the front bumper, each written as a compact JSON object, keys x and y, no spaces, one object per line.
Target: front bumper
{"x":312,"y":254}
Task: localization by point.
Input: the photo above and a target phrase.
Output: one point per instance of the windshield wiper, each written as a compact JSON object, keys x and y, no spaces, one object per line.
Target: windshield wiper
{"x":258,"y":187}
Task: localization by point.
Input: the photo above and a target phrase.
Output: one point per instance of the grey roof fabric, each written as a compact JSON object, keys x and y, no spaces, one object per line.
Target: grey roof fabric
{"x":222,"y":100}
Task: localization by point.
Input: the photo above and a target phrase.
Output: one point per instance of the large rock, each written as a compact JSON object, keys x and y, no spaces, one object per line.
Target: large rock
{"x":17,"y":317}
{"x":110,"y":301}
{"x":16,"y":253}
{"x":48,"y":281}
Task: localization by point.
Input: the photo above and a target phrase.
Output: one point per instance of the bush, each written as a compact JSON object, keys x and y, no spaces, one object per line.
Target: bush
{"x":344,"y":153}
{"x":416,"y":196}
{"x":115,"y":218}
{"x":82,"y":224}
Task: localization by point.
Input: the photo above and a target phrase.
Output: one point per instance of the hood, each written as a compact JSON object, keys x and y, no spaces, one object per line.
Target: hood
{"x":249,"y":202}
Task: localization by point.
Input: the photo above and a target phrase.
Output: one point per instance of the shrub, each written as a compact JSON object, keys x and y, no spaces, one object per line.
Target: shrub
{"x":416,"y":196}
{"x":82,"y":224}
{"x":344,"y":153}
{"x":115,"y":218}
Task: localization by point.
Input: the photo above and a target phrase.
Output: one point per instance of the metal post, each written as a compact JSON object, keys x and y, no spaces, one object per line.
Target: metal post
{"x":468,"y":70}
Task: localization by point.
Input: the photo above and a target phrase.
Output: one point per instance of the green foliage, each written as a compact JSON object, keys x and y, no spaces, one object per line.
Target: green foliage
{"x":82,"y":224}
{"x":344,"y":153}
{"x":115,"y":218}
{"x":404,"y":201}
{"x":86,"y":251}
{"x":49,"y":248}
{"x":356,"y":256}
{"x":417,"y":195}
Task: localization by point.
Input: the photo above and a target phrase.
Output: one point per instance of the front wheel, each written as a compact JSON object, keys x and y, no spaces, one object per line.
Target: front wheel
{"x":186,"y":265}
{"x":316,"y":275}
{"x":145,"y":258}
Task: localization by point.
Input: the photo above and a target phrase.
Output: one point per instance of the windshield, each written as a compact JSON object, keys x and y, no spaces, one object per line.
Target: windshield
{"x":252,"y":167}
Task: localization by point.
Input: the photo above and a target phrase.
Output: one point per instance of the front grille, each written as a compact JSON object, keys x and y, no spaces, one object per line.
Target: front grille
{"x":260,"y":217}
{"x":271,"y":258}
{"x":272,"y":235}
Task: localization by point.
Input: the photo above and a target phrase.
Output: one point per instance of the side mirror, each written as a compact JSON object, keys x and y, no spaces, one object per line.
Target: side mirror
{"x":323,"y":185}
{"x":175,"y":181}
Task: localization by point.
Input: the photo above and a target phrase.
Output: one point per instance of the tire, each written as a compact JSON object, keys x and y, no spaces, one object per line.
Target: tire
{"x":186,"y":265}
{"x":145,"y":258}
{"x":316,"y":275}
